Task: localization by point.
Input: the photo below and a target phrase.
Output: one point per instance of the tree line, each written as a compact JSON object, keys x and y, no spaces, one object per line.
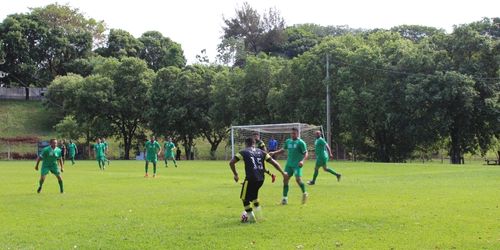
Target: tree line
{"x":395,"y":93}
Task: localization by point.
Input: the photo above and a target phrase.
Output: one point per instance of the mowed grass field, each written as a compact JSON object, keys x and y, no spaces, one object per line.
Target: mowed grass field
{"x":197,"y":206}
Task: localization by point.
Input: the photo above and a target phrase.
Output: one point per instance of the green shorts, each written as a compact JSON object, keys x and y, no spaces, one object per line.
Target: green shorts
{"x":152,"y":159}
{"x":291,"y":171}
{"x":168,"y":156}
{"x":321,"y":161}
{"x":53,"y":169}
{"x":100,"y":158}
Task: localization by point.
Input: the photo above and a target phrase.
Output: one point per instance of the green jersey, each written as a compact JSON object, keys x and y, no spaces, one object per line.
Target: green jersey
{"x":105,"y":145}
{"x":99,"y":149}
{"x":152,"y":148}
{"x":72,"y":149}
{"x":320,"y":148}
{"x":169,"y":148}
{"x":50,"y":156}
{"x":296,"y":149}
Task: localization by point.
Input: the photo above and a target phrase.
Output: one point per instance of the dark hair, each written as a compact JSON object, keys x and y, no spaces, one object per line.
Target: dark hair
{"x":255,"y":133}
{"x":250,"y":141}
{"x":51,"y":140}
{"x":295,"y":129}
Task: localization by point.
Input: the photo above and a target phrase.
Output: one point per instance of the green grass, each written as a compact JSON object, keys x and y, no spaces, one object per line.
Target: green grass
{"x":196,"y":206}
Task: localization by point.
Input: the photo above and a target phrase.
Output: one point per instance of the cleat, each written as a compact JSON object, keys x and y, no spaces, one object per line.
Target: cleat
{"x":251,"y":217}
{"x":311,"y":183}
{"x":146,"y":176}
{"x":339,"y":176}
{"x":304,"y":197}
{"x":284,"y":201}
{"x":154,"y":175}
{"x":273,"y":178}
{"x":39,"y":190}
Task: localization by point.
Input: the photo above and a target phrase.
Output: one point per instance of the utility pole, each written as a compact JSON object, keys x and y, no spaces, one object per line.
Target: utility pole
{"x":328,"y":118}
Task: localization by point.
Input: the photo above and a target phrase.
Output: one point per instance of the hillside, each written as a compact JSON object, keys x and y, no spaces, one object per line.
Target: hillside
{"x":25,"y":118}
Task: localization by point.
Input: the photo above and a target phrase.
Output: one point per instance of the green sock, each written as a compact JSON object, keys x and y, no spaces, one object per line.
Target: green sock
{"x":302,"y":187}
{"x":331,"y":171}
{"x":73,"y":161}
{"x":154,"y":168}
{"x":61,"y":188}
{"x":285,"y":190}
{"x":175,"y":163}
{"x":316,"y":172}
{"x":40,"y":183}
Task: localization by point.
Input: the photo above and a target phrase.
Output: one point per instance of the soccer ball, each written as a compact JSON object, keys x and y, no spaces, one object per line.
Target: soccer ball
{"x":244,"y":217}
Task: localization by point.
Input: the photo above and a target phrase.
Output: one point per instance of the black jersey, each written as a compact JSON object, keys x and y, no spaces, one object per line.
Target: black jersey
{"x":254,"y":163}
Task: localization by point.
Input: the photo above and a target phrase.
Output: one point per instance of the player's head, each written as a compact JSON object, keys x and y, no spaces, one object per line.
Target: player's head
{"x":153,"y":138}
{"x":53,"y":143}
{"x":70,"y":141}
{"x":318,"y":134}
{"x":98,"y":140}
{"x":169,"y":139}
{"x":256,"y":136}
{"x":295,"y":133}
{"x":103,"y":139}
{"x":250,"y":142}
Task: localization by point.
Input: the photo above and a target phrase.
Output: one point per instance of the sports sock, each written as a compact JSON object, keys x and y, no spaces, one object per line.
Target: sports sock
{"x":40,"y":183}
{"x":256,"y":203}
{"x":331,"y":171}
{"x":73,"y":161}
{"x":246,"y":205}
{"x":175,"y":163}
{"x":316,"y":172}
{"x":154,"y":168}
{"x":285,"y":190}
{"x":61,"y":187}
{"x":146,"y":168}
{"x":302,"y":187}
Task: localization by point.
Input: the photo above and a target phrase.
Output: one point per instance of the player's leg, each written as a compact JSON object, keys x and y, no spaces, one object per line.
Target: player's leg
{"x":332,"y":171}
{"x":247,"y":195}
{"x":60,"y":181}
{"x":315,"y":175}
{"x":286,"y":187}
{"x":103,"y":162}
{"x":173,"y":159}
{"x":99,"y":163}
{"x":154,"y":168}
{"x":43,"y":174}
{"x":72,"y":159}
{"x":146,"y":168}
{"x":298,"y":179}
{"x":255,"y":199}
{"x":166,"y":160}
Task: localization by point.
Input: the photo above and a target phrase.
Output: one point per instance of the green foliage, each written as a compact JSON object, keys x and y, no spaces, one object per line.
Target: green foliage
{"x":159,"y":51}
{"x":68,"y":128}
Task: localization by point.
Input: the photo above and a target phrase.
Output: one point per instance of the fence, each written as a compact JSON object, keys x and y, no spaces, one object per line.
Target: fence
{"x":19,"y":93}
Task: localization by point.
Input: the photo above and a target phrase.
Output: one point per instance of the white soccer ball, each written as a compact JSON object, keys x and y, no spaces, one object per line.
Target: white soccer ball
{"x":244,"y":217}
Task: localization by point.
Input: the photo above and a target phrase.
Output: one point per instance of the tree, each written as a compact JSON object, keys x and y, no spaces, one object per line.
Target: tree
{"x":38,"y":45}
{"x":255,"y":32}
{"x":160,"y":52}
{"x":121,"y":44}
{"x":68,"y":128}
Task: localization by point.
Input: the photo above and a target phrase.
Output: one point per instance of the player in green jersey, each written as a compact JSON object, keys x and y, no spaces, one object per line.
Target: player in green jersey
{"x":73,"y":150}
{"x":50,"y":156}
{"x":322,"y":151}
{"x":152,"y":150}
{"x":297,"y":153}
{"x":106,"y":147}
{"x":99,"y":153}
{"x":169,"y":147}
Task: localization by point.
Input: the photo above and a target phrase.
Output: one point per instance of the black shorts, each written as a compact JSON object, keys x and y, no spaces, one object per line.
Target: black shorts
{"x":250,"y":190}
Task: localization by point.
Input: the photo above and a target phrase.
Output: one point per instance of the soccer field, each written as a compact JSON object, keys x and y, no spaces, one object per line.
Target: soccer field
{"x":197,"y":206}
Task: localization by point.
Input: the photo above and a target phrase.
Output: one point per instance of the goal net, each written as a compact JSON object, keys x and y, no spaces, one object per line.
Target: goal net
{"x":280,"y":132}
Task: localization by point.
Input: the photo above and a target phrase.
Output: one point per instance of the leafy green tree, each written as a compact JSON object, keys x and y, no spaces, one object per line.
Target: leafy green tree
{"x":160,"y":52}
{"x":68,"y":128}
{"x":121,"y":44}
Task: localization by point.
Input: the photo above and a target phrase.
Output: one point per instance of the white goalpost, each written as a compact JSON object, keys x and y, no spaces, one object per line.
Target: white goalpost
{"x":279,"y":132}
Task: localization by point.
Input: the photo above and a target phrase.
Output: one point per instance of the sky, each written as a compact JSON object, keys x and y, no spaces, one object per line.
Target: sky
{"x":197,"y":24}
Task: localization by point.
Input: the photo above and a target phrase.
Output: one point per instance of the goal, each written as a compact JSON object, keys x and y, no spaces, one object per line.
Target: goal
{"x":280,"y":132}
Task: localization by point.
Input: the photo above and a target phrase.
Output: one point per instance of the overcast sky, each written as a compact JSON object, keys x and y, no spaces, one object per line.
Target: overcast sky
{"x":196,"y":24}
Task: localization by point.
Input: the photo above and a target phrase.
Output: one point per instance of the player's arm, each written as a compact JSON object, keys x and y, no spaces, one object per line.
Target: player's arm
{"x":306,"y":154}
{"x":329,"y":151}
{"x":61,"y":164}
{"x":232,"y":165}
{"x":38,"y":159}
{"x":159,"y":150}
{"x":277,"y":152}
{"x":277,"y":166}
{"x":76,"y":149}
